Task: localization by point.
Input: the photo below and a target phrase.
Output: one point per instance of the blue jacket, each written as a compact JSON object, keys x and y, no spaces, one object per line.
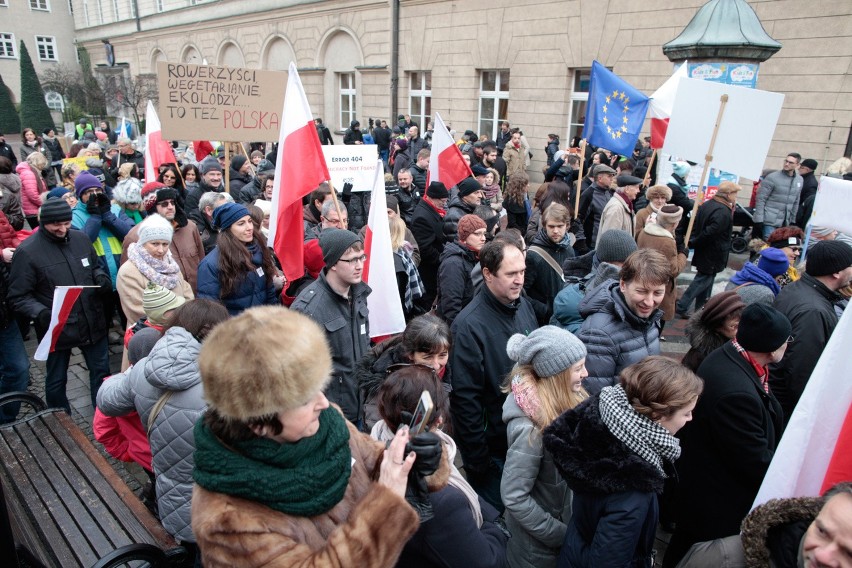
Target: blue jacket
{"x":253,"y":290}
{"x":106,"y":233}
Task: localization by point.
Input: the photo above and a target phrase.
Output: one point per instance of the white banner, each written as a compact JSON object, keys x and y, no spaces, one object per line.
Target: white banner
{"x":833,"y":205}
{"x":355,"y":164}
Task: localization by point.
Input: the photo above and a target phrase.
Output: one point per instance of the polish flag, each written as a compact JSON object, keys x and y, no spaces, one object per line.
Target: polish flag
{"x":300,"y":156}
{"x":446,"y":163}
{"x":660,"y":109}
{"x":386,"y":317}
{"x":816,"y":449}
{"x":157,"y":150}
{"x":202,"y":149}
{"x":124,"y":129}
{"x":63,"y":301}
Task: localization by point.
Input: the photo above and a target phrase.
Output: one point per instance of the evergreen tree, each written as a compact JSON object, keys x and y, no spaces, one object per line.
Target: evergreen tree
{"x":34,"y":111}
{"x":9,"y":119}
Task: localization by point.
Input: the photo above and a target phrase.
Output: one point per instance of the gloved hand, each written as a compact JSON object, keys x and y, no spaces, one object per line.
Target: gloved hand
{"x":681,"y":248}
{"x":43,"y":319}
{"x":347,"y":188}
{"x":92,"y":205}
{"x":103,"y":203}
{"x":105,"y":284}
{"x":428,"y":448}
{"x":757,"y":231}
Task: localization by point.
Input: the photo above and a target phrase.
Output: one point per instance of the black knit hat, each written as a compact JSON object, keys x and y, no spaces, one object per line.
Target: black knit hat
{"x":828,"y":257}
{"x":335,"y":242}
{"x":437,"y":190}
{"x":468,"y":185}
{"x":54,"y":211}
{"x":763,"y":329}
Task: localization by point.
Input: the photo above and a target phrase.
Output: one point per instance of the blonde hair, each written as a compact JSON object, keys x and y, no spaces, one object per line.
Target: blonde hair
{"x":839,"y":167}
{"x":397,"y":232}
{"x":37,"y":160}
{"x":557,"y":213}
{"x":555,"y":394}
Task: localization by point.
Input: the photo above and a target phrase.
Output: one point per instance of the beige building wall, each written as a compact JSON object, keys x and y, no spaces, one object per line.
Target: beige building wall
{"x":24,"y":23}
{"x":540,"y":44}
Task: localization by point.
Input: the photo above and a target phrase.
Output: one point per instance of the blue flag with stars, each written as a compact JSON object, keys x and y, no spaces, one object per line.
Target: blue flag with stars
{"x":615,"y":112}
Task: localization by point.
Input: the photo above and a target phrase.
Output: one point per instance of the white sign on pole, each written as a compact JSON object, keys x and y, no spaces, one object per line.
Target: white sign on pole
{"x":355,"y":164}
{"x":833,"y":205}
{"x":745,"y":132}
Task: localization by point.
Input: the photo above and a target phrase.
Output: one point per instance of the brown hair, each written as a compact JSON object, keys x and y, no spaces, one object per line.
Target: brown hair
{"x":401,"y":390}
{"x":426,"y":334}
{"x":556,"y":212}
{"x":235,"y":261}
{"x":784,"y":233}
{"x":647,"y":266}
{"x":516,"y":187}
{"x":198,"y":317}
{"x":318,"y":194}
{"x":657,"y":386}
{"x":557,"y":191}
{"x":491,"y":255}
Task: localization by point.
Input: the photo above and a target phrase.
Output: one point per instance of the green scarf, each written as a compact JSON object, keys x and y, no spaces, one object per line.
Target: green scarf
{"x":305,"y":478}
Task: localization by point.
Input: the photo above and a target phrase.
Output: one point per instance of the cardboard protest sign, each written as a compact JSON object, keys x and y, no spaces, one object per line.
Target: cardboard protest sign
{"x":745,"y":132}
{"x":355,"y":164}
{"x":204,"y":102}
{"x":833,"y":205}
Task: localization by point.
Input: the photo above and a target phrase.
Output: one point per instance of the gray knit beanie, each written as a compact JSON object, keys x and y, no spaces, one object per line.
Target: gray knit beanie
{"x":142,"y":343}
{"x":549,"y":349}
{"x":335,"y":242}
{"x":615,"y":245}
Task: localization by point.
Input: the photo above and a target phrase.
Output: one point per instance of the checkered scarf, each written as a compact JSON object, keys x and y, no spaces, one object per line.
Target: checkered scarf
{"x":415,"y":288}
{"x":639,"y":433}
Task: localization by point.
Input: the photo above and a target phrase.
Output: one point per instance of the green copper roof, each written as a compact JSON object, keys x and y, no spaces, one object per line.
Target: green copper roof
{"x":723,"y":29}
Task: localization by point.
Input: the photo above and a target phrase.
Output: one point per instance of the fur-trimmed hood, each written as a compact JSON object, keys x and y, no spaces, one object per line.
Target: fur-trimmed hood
{"x":702,"y":337}
{"x":591,"y":459}
{"x":371,"y":370}
{"x":776,"y":515}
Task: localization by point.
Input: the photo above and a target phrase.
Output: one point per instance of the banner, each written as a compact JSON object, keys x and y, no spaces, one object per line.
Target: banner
{"x":740,"y":74}
{"x":203,"y":102}
{"x":833,"y":205}
{"x":80,"y":161}
{"x":355,"y":164}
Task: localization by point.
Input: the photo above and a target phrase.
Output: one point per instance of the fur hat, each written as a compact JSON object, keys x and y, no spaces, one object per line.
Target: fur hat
{"x":84,"y":181}
{"x":467,"y":186}
{"x":289,"y":362}
{"x":156,"y":228}
{"x":335,"y":242}
{"x":54,"y":211}
{"x":828,"y":257}
{"x":669,"y":215}
{"x":773,"y":261}
{"x":615,"y":245}
{"x":763,"y":329}
{"x":549,"y":349}
{"x":468,"y":225}
{"x":658,"y":191}
{"x":128,"y":191}
{"x":227,"y":214}
{"x":682,"y":169}
{"x":727,"y":187}
{"x":437,"y":190}
{"x":264,"y":205}
{"x":157,"y":300}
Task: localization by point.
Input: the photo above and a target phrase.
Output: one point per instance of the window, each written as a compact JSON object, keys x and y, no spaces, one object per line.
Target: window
{"x":347,"y":99}
{"x":40,"y":5}
{"x":86,"y":12}
{"x":4,"y":3}
{"x":493,"y":101}
{"x":46,"y":48}
{"x":54,"y":101}
{"x":115,"y":15}
{"x":100,"y":12}
{"x":420,"y":98}
{"x":132,"y":8}
{"x":7,"y":46}
{"x":579,"y":100}
{"x":159,"y":5}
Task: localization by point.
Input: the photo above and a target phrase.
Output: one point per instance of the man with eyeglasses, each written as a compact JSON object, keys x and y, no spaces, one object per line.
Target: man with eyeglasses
{"x":127,"y":153}
{"x":778,"y":197}
{"x":337,"y":301}
{"x":809,"y":303}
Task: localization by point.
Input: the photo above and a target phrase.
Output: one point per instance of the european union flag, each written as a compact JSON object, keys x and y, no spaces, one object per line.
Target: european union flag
{"x":615,"y":112}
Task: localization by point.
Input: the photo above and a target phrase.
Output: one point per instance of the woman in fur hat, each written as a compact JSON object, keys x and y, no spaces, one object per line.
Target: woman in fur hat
{"x":658,"y":196}
{"x":282,"y":479}
{"x":660,"y":236}
{"x":712,"y":326}
{"x":545,"y":382}
{"x":615,"y":450}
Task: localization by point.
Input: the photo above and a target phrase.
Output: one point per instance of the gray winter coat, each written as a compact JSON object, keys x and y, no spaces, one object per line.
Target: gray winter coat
{"x":614,"y":336}
{"x":172,"y":366}
{"x":537,"y":499}
{"x":778,"y":199}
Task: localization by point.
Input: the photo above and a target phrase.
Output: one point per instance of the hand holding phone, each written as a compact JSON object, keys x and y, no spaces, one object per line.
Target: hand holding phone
{"x":422,"y":414}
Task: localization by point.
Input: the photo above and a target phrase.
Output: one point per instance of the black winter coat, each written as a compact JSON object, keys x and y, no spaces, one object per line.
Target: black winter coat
{"x":727,"y":447}
{"x":382,"y":137}
{"x":419,"y":177}
{"x":711,"y":237}
{"x":615,"y":509}
{"x":455,"y":211}
{"x":541,"y":282}
{"x":351,"y":136}
{"x":454,"y":281}
{"x":43,"y":262}
{"x":579,"y":266}
{"x":427,"y":226}
{"x":408,"y":200}
{"x":480,"y":364}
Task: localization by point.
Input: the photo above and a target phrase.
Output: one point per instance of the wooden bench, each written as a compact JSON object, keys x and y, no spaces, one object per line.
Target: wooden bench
{"x":62,"y":503}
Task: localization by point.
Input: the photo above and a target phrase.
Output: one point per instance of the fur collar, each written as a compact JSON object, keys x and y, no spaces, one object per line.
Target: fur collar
{"x":591,"y":459}
{"x":772,"y":516}
{"x":656,"y":231}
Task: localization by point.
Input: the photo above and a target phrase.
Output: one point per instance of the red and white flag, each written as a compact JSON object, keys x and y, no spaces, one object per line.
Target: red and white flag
{"x":446,"y":163}
{"x":300,"y":169}
{"x":660,"y":108}
{"x":157,"y":150}
{"x":63,"y":301}
{"x":384,"y":303}
{"x":201,"y":149}
{"x":816,"y":449}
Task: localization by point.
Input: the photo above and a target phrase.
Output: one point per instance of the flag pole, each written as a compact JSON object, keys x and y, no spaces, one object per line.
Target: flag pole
{"x":336,"y":202}
{"x":648,"y":171}
{"x":580,"y":178}
{"x":707,"y":159}
{"x":227,"y":166}
{"x":248,"y":159}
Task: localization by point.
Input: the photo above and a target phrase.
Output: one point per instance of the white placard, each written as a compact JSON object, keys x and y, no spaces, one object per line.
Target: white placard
{"x":355,"y":164}
{"x":745,"y":132}
{"x":833,"y":205}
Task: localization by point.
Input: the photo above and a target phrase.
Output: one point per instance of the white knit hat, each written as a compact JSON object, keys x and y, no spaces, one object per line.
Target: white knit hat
{"x":155,"y":228}
{"x":128,"y":191}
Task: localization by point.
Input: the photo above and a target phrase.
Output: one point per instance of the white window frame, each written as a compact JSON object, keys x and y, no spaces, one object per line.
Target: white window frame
{"x":578,"y":97}
{"x":350,"y":93}
{"x":49,"y":43}
{"x":423,"y":92}
{"x":498,"y":95}
{"x":132,"y":9}
{"x":41,"y":5}
{"x":4,"y":3}
{"x":86,"y":13}
{"x":8,"y":38}
{"x":51,"y":98}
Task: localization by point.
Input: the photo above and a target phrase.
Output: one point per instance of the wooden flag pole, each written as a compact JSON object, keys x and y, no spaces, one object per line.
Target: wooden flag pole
{"x":707,"y":159}
{"x":248,"y":159}
{"x":650,"y":165}
{"x":227,"y":167}
{"x":580,"y":179}
{"x":336,"y":203}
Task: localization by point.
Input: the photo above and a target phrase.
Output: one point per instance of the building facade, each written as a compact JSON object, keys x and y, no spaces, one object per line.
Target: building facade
{"x":47,"y":29}
{"x":475,"y":63}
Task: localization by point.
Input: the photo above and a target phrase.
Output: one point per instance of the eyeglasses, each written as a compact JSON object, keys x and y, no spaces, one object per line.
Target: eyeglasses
{"x":354,"y":261}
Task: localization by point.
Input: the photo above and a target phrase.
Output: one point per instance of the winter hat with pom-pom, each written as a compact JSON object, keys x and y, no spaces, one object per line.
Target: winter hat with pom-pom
{"x":549,"y":350}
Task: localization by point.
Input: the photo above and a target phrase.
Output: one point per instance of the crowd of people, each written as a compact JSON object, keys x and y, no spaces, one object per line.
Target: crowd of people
{"x":276,"y":430}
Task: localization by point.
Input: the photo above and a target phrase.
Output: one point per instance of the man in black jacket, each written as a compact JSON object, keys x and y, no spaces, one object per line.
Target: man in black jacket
{"x":323,"y":133}
{"x":547,"y":252}
{"x":711,"y":239}
{"x":408,"y":195}
{"x":809,"y":189}
{"x":480,"y":363}
{"x":6,"y":151}
{"x":427,"y":225}
{"x":57,"y":255}
{"x":466,"y":201}
{"x":382,"y":136}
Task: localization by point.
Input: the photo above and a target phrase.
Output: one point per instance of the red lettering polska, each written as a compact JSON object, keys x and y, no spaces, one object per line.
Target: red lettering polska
{"x":251,"y":120}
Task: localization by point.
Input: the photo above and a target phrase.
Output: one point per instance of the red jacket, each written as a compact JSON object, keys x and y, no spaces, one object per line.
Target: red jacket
{"x":123,"y":437}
